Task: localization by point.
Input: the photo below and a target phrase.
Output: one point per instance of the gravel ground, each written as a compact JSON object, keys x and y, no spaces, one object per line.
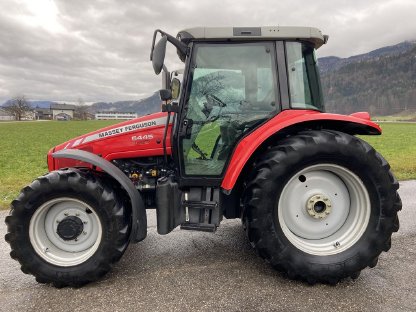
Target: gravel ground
{"x":195,"y":271}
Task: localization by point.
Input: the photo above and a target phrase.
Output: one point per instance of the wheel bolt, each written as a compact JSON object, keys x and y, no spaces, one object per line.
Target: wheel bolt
{"x":85,"y":233}
{"x":77,"y":214}
{"x":85,"y":222}
{"x":66,"y":214}
{"x":57,"y":221}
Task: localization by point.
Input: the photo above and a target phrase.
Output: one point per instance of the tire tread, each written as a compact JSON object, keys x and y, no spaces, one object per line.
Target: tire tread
{"x":77,"y":181}
{"x":273,"y":164}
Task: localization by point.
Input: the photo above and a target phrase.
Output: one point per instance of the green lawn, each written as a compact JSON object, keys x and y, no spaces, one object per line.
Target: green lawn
{"x":24,"y":145}
{"x":396,"y":118}
{"x":407,"y":116}
{"x":398,"y":145}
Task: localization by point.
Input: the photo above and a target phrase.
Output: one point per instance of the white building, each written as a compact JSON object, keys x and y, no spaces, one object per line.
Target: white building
{"x":29,"y":115}
{"x":5,"y":115}
{"x":114,"y":115}
{"x":62,"y":111}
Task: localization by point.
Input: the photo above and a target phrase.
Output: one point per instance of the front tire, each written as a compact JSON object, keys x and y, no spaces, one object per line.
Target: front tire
{"x":321,"y":206}
{"x":67,"y":228}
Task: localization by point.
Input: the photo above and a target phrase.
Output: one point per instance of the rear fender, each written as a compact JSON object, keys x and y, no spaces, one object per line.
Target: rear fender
{"x":139,"y":219}
{"x":289,"y":122}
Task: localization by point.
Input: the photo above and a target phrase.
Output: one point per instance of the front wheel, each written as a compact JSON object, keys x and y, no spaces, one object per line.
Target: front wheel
{"x":67,"y":228}
{"x":321,"y":206}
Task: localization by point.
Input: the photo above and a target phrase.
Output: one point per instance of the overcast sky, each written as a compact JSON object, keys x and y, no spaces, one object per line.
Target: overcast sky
{"x":99,"y":50}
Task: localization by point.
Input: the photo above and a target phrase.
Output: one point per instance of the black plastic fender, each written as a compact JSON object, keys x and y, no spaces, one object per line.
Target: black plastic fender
{"x":139,"y":219}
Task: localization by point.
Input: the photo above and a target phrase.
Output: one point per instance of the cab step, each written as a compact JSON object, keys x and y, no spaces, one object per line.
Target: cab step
{"x":203,"y":227}
{"x":200,"y":204}
{"x":202,"y":209}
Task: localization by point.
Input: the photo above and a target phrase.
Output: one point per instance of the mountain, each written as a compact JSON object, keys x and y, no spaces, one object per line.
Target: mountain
{"x":145,"y":106}
{"x":382,"y":81}
{"x":331,"y":63}
{"x":34,"y":104}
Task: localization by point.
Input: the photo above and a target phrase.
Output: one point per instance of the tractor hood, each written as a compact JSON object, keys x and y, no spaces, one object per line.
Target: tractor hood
{"x":139,"y":137}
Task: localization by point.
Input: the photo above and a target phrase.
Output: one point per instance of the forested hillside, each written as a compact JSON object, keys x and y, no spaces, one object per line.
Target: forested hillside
{"x":382,"y":82}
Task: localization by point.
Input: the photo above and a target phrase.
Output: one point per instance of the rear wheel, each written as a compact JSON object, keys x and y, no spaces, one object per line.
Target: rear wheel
{"x":321,"y":206}
{"x":67,"y":228}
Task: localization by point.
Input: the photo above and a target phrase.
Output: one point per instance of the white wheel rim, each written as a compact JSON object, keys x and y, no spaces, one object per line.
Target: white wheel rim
{"x":52,"y":247}
{"x":324,"y":209}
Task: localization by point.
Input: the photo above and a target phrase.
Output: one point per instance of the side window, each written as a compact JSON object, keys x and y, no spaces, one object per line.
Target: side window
{"x":304,"y":85}
{"x":265,"y":90}
{"x":233,"y":90}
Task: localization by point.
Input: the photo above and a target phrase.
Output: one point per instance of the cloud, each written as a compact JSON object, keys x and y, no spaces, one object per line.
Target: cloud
{"x":99,"y":50}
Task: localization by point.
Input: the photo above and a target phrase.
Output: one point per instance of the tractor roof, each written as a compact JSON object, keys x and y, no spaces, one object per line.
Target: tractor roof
{"x":310,"y":34}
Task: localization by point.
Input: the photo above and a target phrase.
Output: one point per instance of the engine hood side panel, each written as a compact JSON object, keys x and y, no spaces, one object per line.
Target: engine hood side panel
{"x":138,"y":137}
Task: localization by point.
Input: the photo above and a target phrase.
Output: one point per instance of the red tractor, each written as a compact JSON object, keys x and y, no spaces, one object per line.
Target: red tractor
{"x":243,"y":135}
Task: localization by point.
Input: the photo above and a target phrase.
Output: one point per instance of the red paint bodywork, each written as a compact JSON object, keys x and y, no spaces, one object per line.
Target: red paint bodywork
{"x":287,"y":118}
{"x":122,"y":145}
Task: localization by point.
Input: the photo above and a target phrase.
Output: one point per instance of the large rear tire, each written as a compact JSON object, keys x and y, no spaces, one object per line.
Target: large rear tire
{"x":321,"y":206}
{"x":67,"y":228}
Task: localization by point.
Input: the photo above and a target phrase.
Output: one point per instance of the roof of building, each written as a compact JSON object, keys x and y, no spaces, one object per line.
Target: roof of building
{"x":43,"y":110}
{"x":63,"y":106}
{"x":310,"y":34}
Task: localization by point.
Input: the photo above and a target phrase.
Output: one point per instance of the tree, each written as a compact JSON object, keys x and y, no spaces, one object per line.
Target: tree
{"x":81,"y":110}
{"x":208,"y":84}
{"x":18,"y":107}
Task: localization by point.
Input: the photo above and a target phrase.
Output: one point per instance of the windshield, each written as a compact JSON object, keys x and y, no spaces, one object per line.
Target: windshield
{"x":304,"y":80}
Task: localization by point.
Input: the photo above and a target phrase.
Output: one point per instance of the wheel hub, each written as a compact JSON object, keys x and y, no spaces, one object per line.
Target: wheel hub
{"x":319,"y":206}
{"x":306,"y":213}
{"x":56,"y":233}
{"x":70,"y":228}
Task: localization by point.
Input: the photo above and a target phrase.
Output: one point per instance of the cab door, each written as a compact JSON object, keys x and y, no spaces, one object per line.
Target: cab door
{"x":231,"y":89}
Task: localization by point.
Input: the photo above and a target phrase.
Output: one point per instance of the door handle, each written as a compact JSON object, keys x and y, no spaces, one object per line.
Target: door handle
{"x":186,"y":129}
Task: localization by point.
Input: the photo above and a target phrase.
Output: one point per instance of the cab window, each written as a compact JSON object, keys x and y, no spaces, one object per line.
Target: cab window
{"x":233,"y":89}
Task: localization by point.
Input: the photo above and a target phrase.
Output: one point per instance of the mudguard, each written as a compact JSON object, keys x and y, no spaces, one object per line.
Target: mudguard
{"x":139,"y":219}
{"x":291,"y":121}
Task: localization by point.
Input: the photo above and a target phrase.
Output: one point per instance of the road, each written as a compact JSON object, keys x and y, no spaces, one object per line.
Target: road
{"x":194,"y":271}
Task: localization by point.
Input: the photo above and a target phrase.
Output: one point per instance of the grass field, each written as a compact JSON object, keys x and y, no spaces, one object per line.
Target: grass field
{"x":24,"y":145}
{"x":406,"y":115}
{"x":23,"y":149}
{"x":398,"y":145}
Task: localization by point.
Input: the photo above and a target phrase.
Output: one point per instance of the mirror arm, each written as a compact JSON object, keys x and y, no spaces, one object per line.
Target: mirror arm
{"x":166,"y":81}
{"x":183,"y":48}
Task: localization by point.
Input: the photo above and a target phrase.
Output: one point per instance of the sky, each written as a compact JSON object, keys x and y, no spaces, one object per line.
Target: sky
{"x":99,"y":50}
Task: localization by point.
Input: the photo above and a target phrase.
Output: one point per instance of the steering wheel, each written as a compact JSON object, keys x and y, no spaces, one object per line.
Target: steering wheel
{"x":215,"y":99}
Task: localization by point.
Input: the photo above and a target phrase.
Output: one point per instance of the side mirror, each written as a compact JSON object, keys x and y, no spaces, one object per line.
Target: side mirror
{"x":175,"y":87}
{"x":158,"y":55}
{"x":165,"y":95}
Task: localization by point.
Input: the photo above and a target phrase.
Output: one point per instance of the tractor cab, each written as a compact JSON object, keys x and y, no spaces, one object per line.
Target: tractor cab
{"x":235,"y":80}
